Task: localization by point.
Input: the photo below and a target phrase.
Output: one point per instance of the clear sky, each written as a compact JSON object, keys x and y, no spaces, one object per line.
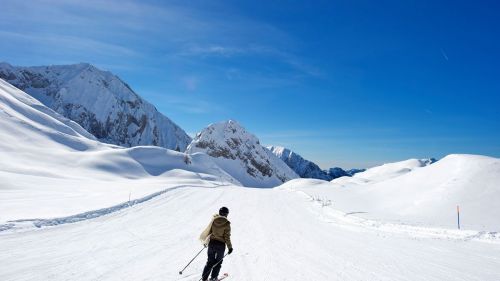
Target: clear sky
{"x":343,"y":83}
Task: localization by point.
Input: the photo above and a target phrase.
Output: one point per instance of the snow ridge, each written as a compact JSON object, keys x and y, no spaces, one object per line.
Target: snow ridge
{"x":100,"y":102}
{"x":391,"y":170}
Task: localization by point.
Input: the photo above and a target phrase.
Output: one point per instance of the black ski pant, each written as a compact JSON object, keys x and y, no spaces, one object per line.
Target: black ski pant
{"x":215,"y":254}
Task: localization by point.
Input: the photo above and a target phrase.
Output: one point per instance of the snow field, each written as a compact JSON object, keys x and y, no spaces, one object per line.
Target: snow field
{"x":278,"y":234}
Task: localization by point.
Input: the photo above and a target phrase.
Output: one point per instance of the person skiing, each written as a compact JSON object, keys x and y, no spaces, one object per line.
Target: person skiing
{"x":217,"y":236}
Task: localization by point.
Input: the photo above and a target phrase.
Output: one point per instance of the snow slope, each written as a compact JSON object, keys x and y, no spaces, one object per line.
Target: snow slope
{"x":293,"y":238}
{"x":100,"y":102}
{"x":384,"y":172}
{"x":425,"y":196}
{"x":54,"y":167}
{"x":241,"y":155}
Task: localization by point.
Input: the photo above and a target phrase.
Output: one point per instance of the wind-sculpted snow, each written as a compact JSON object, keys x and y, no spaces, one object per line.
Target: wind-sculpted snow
{"x":100,"y":102}
{"x":384,"y":172}
{"x":241,"y":155}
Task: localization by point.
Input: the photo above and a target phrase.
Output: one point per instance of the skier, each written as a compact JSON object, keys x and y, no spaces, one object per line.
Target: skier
{"x":217,"y":236}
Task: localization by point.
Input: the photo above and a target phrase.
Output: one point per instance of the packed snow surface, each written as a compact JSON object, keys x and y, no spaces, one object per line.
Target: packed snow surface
{"x":277,"y":234}
{"x":65,"y":214}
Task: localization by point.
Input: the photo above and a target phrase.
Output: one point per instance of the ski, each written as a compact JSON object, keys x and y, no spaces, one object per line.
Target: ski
{"x":224,"y":276}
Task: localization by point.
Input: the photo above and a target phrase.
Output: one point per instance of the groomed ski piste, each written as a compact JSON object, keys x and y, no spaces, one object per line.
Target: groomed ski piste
{"x":72,"y":208}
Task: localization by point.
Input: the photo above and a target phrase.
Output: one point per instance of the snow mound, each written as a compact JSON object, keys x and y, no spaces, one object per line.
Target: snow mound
{"x":427,"y":195}
{"x":241,"y":155}
{"x":304,"y":183}
{"x":432,"y":193}
{"x":384,"y":172}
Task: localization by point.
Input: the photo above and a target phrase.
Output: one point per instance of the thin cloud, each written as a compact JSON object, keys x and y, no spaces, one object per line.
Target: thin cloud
{"x":211,"y":50}
{"x":155,"y":35}
{"x":290,"y":134}
{"x":193,"y":106}
{"x":71,"y":43}
{"x":337,"y":133}
{"x":190,"y":104}
{"x":445,"y":56}
{"x":190,"y":83}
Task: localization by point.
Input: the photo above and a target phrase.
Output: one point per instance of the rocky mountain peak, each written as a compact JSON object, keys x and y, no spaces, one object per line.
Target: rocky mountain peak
{"x":240,"y":153}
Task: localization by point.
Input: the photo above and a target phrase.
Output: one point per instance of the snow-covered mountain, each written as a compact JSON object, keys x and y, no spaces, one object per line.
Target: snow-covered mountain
{"x":302,"y":167}
{"x":305,"y":168}
{"x":241,"y":155}
{"x":354,"y":171}
{"x":60,"y":168}
{"x":100,"y":102}
{"x":337,"y":172}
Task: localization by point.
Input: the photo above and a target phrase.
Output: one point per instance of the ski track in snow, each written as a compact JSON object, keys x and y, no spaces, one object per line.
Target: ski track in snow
{"x":26,"y":224}
{"x":277,"y":235}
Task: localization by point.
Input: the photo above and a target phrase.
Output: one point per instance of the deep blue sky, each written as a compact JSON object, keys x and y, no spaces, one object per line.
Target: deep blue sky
{"x":344,"y":83}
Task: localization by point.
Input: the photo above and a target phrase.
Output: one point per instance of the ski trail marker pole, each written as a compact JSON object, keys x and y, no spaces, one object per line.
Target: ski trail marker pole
{"x":458,"y":217}
{"x":180,"y":272}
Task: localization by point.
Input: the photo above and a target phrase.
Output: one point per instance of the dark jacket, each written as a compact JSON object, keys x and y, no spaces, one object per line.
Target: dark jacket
{"x":221,"y":230}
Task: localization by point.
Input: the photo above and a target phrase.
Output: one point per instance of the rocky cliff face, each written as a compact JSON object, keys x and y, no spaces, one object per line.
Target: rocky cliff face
{"x":308,"y":169}
{"x":100,"y":102}
{"x":241,"y":155}
{"x":337,"y":172}
{"x":304,"y":168}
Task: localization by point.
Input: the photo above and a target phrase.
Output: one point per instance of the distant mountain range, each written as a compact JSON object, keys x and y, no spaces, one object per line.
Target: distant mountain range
{"x":100,"y":102}
{"x":308,"y":169}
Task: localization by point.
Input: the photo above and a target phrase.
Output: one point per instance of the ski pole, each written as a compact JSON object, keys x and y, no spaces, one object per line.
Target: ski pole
{"x":180,"y":272}
{"x":214,"y":265}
